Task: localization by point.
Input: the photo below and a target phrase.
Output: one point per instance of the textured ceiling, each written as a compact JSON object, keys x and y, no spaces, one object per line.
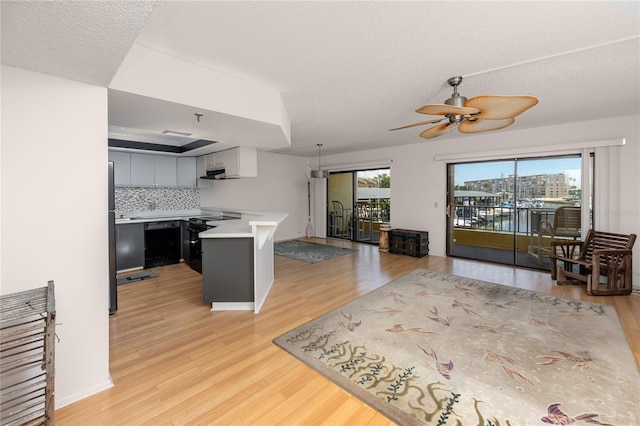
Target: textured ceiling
{"x":84,"y":41}
{"x":349,"y":71}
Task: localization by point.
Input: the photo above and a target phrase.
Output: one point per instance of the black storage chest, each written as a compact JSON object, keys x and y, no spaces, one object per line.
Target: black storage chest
{"x":410,"y":243}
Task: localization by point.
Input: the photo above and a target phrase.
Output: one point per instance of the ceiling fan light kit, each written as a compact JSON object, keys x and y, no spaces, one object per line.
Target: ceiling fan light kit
{"x":475,"y":115}
{"x":455,"y":99}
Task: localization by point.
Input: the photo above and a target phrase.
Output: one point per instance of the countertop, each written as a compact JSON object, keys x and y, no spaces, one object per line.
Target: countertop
{"x":163,"y":215}
{"x":236,"y":228}
{"x":243,"y":227}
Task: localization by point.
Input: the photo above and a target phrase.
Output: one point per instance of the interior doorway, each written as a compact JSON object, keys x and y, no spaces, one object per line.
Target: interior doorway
{"x":358,"y":202}
{"x":509,"y":211}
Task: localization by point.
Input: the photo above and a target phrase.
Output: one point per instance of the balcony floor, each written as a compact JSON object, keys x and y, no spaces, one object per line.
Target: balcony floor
{"x":502,"y":256}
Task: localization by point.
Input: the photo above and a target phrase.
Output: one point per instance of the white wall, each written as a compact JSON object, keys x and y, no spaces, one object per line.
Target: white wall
{"x":281,"y":186}
{"x":54,"y":216}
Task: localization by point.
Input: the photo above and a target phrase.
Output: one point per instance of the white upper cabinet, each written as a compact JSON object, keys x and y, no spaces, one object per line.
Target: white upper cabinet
{"x":210,"y":161}
{"x":143,"y":170}
{"x":121,"y":167}
{"x":237,"y":162}
{"x":166,"y":170}
{"x":201,"y":170}
{"x":132,"y":169}
{"x":187,"y":176}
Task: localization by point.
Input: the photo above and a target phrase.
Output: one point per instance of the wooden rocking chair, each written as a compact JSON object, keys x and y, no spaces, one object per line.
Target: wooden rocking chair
{"x":601,"y":255}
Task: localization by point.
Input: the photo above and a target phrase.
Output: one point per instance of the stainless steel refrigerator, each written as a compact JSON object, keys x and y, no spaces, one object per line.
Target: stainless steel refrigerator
{"x":113,"y":282}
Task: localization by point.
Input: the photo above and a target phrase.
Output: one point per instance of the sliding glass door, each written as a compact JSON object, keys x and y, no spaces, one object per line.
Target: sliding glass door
{"x":340,"y":205}
{"x":509,"y":211}
{"x":358,"y":202}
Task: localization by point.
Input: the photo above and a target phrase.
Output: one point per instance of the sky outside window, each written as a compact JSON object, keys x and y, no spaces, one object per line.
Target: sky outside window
{"x":502,"y":169}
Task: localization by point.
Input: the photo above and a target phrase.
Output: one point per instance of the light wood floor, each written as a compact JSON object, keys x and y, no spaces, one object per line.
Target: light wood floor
{"x":175,"y":362}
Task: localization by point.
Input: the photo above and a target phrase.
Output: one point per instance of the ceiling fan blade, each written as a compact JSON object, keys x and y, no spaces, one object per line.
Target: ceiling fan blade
{"x":444,"y":109}
{"x":483,"y":125}
{"x":498,"y":107}
{"x":435,"y":131}
{"x":418,"y":124}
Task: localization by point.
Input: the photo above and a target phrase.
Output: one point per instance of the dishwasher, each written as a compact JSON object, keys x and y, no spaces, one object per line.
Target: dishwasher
{"x":161,"y":243}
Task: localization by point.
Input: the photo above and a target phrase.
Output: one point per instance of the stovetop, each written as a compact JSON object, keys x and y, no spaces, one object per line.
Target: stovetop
{"x":199,"y":220}
{"x":203,"y":219}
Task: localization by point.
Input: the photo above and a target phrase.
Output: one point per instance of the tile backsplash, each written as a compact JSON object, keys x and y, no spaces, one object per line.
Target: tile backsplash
{"x":145,"y":199}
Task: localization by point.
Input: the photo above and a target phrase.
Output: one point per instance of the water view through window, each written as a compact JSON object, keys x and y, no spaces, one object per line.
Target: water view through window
{"x":507,"y":211}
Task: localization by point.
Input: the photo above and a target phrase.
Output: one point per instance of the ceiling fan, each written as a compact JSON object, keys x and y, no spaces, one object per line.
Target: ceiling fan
{"x":475,"y":115}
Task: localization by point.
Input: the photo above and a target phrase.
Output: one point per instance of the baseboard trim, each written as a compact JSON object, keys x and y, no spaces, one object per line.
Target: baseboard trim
{"x":70,"y":399}
{"x":232,"y":306}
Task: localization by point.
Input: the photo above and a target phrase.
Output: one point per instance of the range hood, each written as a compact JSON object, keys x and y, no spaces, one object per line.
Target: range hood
{"x":214,"y":174}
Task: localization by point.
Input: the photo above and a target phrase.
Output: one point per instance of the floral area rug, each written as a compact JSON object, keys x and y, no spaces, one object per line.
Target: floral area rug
{"x":438,"y":349}
{"x":309,"y":252}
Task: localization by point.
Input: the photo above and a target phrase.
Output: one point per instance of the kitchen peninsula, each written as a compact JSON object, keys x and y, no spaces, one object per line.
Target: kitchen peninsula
{"x":237,"y":252}
{"x":237,"y":261}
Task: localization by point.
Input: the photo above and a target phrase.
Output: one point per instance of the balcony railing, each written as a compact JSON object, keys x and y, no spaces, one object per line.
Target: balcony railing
{"x":379,"y":209}
{"x":502,"y":218}
{"x":362,"y":222}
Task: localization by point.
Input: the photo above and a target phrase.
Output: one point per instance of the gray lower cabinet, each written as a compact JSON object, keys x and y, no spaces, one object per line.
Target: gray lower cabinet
{"x":129,"y":246}
{"x":227,"y":270}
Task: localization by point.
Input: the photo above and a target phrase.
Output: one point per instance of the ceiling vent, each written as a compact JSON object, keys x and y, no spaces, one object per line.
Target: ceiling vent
{"x":175,"y":132}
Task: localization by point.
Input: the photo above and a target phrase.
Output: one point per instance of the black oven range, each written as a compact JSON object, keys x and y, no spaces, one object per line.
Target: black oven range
{"x":196,"y":226}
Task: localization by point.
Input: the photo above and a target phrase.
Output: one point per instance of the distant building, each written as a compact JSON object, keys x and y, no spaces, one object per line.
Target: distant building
{"x":549,"y":186}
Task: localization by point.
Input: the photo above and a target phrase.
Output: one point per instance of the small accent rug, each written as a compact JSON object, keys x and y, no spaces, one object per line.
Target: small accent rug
{"x":438,"y":349}
{"x":136,"y":276}
{"x":309,"y":252}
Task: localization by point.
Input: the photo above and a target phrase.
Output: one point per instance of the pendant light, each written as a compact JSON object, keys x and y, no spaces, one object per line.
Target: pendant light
{"x":319,"y":173}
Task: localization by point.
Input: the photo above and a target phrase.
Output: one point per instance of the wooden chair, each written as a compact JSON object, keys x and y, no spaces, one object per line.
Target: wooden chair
{"x":567,"y":222}
{"x":601,"y":255}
